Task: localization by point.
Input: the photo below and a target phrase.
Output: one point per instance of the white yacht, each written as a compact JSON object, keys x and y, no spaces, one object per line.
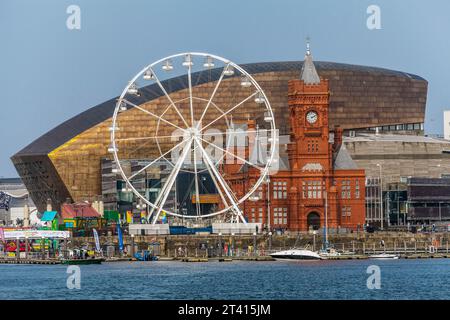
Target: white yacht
{"x":296,"y":254}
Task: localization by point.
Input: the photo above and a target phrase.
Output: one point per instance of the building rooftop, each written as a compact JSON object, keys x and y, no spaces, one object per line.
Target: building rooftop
{"x":363,"y":137}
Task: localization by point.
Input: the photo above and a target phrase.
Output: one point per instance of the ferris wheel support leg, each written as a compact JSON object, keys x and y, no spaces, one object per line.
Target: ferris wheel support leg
{"x":158,"y":200}
{"x":216,"y":185}
{"x":222,"y":183}
{"x":172,"y":179}
{"x":161,"y":194}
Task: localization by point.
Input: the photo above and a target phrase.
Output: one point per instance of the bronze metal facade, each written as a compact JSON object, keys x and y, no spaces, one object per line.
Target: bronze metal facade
{"x":66,"y":161}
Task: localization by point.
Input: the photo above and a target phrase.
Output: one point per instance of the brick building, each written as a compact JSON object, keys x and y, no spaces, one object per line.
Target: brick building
{"x":316,"y":175}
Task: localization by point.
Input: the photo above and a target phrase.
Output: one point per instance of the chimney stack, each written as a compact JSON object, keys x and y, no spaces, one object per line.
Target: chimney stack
{"x":338,"y":132}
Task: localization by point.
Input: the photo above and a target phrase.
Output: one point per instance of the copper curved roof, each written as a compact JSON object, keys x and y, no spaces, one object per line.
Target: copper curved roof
{"x":101,"y":112}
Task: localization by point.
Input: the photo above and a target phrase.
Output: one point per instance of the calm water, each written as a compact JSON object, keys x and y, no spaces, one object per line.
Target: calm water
{"x":400,"y":279}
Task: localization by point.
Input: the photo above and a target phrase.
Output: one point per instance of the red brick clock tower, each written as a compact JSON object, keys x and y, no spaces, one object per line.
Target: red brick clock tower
{"x":310,"y":152}
{"x":320,"y":186}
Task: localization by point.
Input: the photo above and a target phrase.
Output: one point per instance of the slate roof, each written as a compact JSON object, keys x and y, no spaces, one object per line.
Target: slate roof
{"x":343,"y":160}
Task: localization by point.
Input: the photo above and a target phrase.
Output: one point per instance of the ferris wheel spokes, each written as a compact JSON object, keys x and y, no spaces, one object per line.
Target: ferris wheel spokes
{"x":168,"y":97}
{"x":221,"y":181}
{"x":152,"y":114}
{"x":213,"y":94}
{"x":165,"y":191}
{"x":230,"y":110}
{"x":149,"y":137}
{"x":154,"y":161}
{"x":232,"y":154}
{"x":191,"y":106}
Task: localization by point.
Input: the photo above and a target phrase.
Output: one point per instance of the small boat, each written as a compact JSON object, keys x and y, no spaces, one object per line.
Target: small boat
{"x":296,"y":254}
{"x":145,"y":256}
{"x":82,"y":261}
{"x":384,"y":256}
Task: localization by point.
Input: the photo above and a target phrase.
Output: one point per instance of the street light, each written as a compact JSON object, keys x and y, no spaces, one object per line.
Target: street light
{"x":220,"y":244}
{"x":17,"y":248}
{"x":270,"y":241}
{"x":132,"y":245}
{"x":26,"y":247}
{"x":43,"y":247}
{"x":268,"y":202}
{"x":254,"y":244}
{"x":232,"y":244}
{"x":381,"y":196}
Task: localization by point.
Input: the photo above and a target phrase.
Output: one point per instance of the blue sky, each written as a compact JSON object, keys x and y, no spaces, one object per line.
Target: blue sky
{"x":49,"y":73}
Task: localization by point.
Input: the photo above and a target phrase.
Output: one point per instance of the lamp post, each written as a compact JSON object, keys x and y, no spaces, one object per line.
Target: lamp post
{"x":268,"y":203}
{"x":232,"y":244}
{"x":381,"y":196}
{"x":254,"y":244}
{"x":314,"y":240}
{"x":26,"y":247}
{"x":270,"y":241}
{"x":43,"y":247}
{"x":220,"y":244}
{"x":440,"y":214}
{"x":132,"y":245}
{"x":65,"y":246}
{"x":326,"y":220}
{"x":17,"y":248}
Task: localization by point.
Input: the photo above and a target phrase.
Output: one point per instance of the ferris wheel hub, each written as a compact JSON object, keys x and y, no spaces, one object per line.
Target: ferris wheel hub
{"x":194,"y":132}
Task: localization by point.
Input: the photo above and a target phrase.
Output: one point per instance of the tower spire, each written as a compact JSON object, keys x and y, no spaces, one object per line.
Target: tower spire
{"x":309,"y":73}
{"x":308,"y":51}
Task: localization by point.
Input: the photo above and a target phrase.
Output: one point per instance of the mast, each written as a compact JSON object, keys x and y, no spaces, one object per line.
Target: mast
{"x":325,"y":230}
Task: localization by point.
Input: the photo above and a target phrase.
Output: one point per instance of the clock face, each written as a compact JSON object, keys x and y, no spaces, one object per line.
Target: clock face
{"x":311,"y":117}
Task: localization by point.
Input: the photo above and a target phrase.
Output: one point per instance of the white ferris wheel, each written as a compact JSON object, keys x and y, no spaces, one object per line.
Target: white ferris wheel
{"x":192,"y":136}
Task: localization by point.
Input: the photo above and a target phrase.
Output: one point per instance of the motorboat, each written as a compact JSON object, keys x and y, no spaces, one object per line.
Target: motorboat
{"x":295,"y":254}
{"x":384,"y":256}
